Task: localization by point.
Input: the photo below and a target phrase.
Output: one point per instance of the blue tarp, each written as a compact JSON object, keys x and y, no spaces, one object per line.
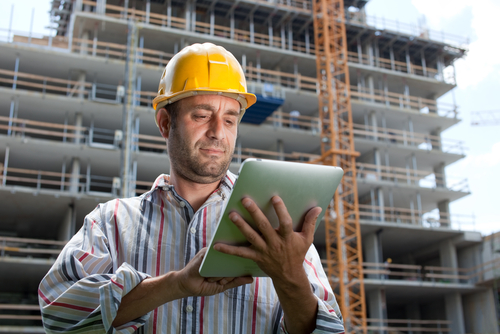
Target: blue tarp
{"x":262,"y":109}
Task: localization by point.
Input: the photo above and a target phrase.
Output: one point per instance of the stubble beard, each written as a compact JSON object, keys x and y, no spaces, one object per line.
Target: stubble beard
{"x":187,"y":165}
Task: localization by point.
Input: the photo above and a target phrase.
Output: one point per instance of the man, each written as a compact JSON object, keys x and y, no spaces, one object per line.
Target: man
{"x":134,"y":264}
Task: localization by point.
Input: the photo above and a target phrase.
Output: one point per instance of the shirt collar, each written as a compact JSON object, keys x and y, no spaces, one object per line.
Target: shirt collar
{"x":163,"y":182}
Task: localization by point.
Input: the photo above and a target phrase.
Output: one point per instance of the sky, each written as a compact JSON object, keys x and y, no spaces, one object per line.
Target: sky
{"x":478,"y":85}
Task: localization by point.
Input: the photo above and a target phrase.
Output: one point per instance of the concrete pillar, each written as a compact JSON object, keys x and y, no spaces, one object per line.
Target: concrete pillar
{"x":188,"y":15}
{"x":283,"y":39}
{"x":307,"y":40}
{"x":439,"y":175}
{"x":81,"y":84}
{"x":408,"y":62}
{"x":376,"y":159}
{"x":148,"y":10}
{"x":424,"y":65}
{"x":380,"y":204}
{"x":372,"y":245}
{"x":373,"y":123}
{"x":78,"y":133}
{"x":479,"y":312}
{"x":101,"y":7}
{"x":84,"y":44}
{"x":252,"y":29}
{"x":75,"y":175}
{"x":360,"y":51}
{"x":270,"y":33}
{"x":435,"y":142}
{"x":369,"y":52}
{"x":371,"y":87}
{"x":448,"y":258}
{"x":125,"y":6}
{"x":67,"y":228}
{"x":78,"y":6}
{"x":281,"y":149}
{"x":454,"y":313}
{"x":444,"y":213}
{"x":377,"y":308}
{"x":393,"y":63}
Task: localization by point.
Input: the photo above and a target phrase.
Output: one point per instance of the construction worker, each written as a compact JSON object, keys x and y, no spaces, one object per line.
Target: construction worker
{"x":134,"y":264}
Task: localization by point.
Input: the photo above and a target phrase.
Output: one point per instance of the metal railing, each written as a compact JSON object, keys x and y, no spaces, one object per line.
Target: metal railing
{"x":408,"y":176}
{"x":403,"y":101}
{"x":274,"y":39}
{"x":57,"y":181}
{"x":408,"y":326}
{"x":113,"y":93}
{"x":407,"y":28}
{"x":20,"y":312}
{"x":407,"y":138}
{"x":422,"y":273}
{"x":407,"y":216}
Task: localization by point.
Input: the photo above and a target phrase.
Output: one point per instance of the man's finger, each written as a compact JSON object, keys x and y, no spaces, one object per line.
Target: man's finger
{"x":259,"y":218}
{"x":309,"y":225}
{"x":250,"y":234}
{"x":240,"y":251}
{"x":286,"y":224}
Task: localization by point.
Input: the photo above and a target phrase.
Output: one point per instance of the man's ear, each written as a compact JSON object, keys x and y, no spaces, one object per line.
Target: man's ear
{"x":163,"y":119}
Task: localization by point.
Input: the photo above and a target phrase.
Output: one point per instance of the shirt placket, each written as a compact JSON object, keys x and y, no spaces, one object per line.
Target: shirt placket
{"x":190,"y":305}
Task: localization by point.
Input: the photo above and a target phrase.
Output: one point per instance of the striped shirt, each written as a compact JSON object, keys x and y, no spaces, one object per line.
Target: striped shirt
{"x":124,"y":241}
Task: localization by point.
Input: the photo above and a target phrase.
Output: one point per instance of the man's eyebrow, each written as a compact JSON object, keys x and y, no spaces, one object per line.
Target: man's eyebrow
{"x":209,"y":107}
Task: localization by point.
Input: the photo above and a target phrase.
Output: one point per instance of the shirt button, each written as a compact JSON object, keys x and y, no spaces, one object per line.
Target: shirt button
{"x":189,"y":308}
{"x":193,"y":230}
{"x":182,"y":204}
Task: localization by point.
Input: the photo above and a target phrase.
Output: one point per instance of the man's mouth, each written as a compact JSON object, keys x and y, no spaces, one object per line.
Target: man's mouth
{"x":212,"y":150}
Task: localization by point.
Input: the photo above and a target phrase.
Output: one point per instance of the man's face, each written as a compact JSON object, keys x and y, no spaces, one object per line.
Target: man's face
{"x":201,"y":143}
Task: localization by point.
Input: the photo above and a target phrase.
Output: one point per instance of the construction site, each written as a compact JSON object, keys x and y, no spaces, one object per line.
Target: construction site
{"x":333,"y":88}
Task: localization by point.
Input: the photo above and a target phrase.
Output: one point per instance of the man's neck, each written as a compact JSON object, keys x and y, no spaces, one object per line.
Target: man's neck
{"x":195,"y":193}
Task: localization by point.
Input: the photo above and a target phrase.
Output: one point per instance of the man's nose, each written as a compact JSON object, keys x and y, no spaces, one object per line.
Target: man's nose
{"x":216,"y":129}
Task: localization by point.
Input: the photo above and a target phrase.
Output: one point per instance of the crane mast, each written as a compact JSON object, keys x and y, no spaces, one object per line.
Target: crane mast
{"x":343,"y":236}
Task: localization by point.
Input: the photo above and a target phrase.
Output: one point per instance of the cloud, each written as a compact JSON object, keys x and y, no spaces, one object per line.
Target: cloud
{"x":437,"y":11}
{"x":486,"y":160}
{"x":480,"y":61}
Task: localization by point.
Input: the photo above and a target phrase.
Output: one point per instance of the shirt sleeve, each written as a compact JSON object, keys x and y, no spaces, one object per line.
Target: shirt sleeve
{"x":328,"y":319}
{"x":81,"y":293}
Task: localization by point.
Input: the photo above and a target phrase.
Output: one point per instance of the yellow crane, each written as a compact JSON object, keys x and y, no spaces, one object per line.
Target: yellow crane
{"x":343,"y":236}
{"x":487,"y":117}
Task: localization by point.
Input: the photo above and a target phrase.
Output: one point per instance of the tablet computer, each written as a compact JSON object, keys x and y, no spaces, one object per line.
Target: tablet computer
{"x":301,"y":186}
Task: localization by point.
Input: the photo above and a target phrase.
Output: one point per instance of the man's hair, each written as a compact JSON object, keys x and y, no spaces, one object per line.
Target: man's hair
{"x":173,"y":111}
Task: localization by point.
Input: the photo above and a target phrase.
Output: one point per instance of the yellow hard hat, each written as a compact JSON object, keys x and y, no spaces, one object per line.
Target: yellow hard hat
{"x":203,"y":69}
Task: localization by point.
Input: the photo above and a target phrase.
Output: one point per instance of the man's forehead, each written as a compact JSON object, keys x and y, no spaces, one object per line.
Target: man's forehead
{"x":211,"y":102}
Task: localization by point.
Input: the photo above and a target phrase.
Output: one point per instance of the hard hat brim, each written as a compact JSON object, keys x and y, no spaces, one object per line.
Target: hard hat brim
{"x":246,"y":100}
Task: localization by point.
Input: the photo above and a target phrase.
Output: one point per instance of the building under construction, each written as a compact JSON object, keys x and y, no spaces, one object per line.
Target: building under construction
{"x":77,"y":129}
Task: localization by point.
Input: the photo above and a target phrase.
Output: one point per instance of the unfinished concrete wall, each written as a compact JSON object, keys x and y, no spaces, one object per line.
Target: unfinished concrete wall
{"x":469,"y":257}
{"x":479,"y":313}
{"x":454,"y":312}
{"x":377,"y":308}
{"x":434,"y":310}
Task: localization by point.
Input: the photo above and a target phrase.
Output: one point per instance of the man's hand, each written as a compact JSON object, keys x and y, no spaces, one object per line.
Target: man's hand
{"x":156,"y":291}
{"x":280,"y":254}
{"x":192,"y":284}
